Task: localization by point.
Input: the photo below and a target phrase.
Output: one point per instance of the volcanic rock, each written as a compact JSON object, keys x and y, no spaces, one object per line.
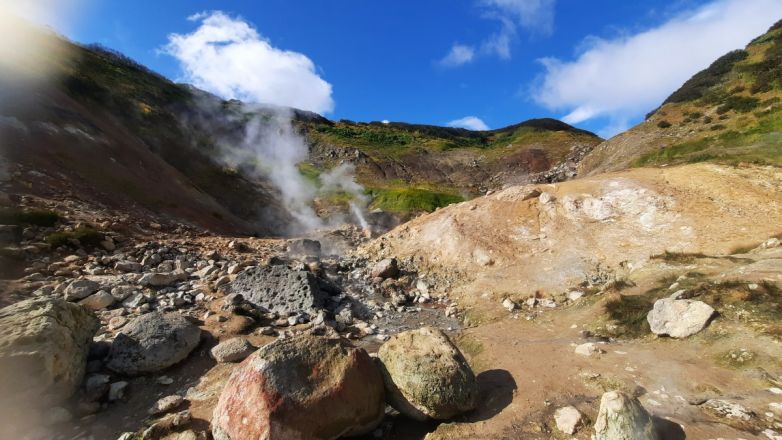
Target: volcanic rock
{"x":301,"y":387}
{"x":426,"y":376}
{"x":279,"y":289}
{"x":152,"y":342}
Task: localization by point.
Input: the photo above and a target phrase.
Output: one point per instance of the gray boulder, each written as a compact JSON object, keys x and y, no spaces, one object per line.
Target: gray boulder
{"x":426,"y":376}
{"x":279,"y":289}
{"x":152,"y":342}
{"x":43,"y":349}
{"x":679,"y":318}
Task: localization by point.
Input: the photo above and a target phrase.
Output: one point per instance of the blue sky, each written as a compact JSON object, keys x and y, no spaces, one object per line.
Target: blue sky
{"x":599,"y":64}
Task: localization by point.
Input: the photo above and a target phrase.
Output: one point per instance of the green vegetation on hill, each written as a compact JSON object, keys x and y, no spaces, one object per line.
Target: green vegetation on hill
{"x":402,"y":200}
{"x":730,"y":112}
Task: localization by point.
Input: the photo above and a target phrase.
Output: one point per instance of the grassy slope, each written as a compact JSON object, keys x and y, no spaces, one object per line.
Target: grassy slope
{"x":728,"y":113}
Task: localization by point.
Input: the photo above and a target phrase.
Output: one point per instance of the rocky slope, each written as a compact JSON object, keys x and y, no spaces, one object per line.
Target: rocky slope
{"x":728,"y":113}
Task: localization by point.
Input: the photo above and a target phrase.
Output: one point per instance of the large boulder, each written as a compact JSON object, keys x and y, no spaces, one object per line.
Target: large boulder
{"x":43,"y":349}
{"x":152,"y":342}
{"x":280,"y":289}
{"x":426,"y":376}
{"x":622,"y":417}
{"x":679,"y":318}
{"x":304,"y":387}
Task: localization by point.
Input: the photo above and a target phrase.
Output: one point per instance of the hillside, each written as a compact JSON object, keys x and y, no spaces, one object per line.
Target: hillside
{"x":730,"y":112}
{"x":399,"y":163}
{"x":109,"y":131}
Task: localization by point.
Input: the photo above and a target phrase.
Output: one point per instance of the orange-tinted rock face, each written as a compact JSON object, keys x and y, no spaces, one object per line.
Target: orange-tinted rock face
{"x":303,"y":387}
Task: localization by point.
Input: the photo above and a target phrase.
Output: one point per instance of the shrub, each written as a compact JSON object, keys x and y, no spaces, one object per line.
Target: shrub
{"x":86,"y":236}
{"x":663,"y":124}
{"x":696,"y":86}
{"x":716,"y":127}
{"x":741,"y":104}
{"x":37,"y":217}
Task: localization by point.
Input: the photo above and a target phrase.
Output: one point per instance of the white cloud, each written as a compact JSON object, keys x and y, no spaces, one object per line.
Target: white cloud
{"x":534,"y":16}
{"x":470,"y":123}
{"x":458,"y":55}
{"x":227,"y":56}
{"x":622,"y":78}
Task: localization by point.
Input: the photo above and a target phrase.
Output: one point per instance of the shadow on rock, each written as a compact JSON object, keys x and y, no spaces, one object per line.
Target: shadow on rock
{"x":667,"y":429}
{"x":496,"y":392}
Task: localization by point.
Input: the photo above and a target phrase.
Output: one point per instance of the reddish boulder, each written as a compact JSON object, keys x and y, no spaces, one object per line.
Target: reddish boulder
{"x":305,"y":387}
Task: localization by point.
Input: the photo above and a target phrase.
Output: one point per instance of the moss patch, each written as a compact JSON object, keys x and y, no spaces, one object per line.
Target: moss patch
{"x":402,"y":200}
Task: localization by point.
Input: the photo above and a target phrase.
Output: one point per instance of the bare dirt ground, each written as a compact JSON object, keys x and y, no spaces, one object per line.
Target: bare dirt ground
{"x":606,"y":237}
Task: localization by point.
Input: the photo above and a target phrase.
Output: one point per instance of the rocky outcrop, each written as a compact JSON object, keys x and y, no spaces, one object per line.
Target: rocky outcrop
{"x":43,"y":349}
{"x":426,"y":376}
{"x":152,"y":342}
{"x":301,"y":387}
{"x":622,"y":417}
{"x":279,"y":289}
{"x":679,"y":318}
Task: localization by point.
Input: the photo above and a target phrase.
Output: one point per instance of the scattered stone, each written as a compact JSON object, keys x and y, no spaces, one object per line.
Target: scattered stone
{"x":166,"y":425}
{"x":588,"y":349}
{"x":80,"y":289}
{"x":96,"y":386}
{"x":728,"y":410}
{"x":117,"y":322}
{"x":622,"y":417}
{"x":574,"y":295}
{"x":679,"y":318}
{"x":98,"y":300}
{"x":165,"y":380}
{"x":43,"y":350}
{"x":304,"y":247}
{"x":418,"y":361}
{"x":128,"y":266}
{"x":386,"y":268}
{"x":232,"y":350}
{"x":509,"y":305}
{"x":166,"y":404}
{"x":279,"y":289}
{"x":117,"y":390}
{"x":301,"y":387}
{"x":57,"y":415}
{"x":152,"y":342}
{"x":162,"y":279}
{"x":567,"y":419}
